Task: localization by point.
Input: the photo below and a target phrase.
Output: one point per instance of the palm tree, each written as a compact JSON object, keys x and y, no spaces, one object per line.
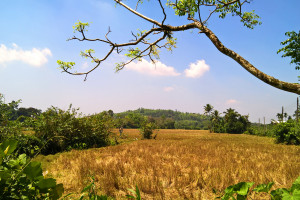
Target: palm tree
{"x":215,"y":119}
{"x":207,"y":111}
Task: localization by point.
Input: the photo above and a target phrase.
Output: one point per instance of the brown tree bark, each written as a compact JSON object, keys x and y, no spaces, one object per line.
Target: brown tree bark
{"x":289,"y":87}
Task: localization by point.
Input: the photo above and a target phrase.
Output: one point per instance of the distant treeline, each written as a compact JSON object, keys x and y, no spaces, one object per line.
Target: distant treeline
{"x":164,"y":119}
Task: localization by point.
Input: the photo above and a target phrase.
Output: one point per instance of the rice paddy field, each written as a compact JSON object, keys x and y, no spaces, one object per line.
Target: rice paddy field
{"x":178,"y":164}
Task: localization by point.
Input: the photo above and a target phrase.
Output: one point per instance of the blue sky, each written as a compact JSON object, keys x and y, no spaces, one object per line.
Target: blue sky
{"x":33,"y":37}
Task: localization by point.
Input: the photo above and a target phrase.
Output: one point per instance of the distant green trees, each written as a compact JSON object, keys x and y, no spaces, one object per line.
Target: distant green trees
{"x":164,"y":119}
{"x":231,"y":122}
{"x":235,"y":122}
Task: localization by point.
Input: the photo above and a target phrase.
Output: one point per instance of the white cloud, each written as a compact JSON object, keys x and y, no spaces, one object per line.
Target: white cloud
{"x":34,"y":57}
{"x":157,"y":69}
{"x":231,"y":101}
{"x":197,"y":69}
{"x":85,"y":65}
{"x":168,"y":89}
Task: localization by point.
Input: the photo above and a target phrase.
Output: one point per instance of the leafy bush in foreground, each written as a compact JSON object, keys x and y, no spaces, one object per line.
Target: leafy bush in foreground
{"x":21,"y":179}
{"x":242,"y":190}
{"x":64,"y":130}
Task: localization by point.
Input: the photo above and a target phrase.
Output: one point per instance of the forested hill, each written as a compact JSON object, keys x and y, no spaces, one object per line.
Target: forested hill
{"x":176,"y":115}
{"x":165,"y":118}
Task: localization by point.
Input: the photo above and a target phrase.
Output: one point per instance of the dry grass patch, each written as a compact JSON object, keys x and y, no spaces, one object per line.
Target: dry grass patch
{"x":180,"y":164}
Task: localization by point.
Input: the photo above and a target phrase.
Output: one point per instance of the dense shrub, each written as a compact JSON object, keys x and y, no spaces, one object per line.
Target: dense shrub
{"x":22,"y":179}
{"x":235,"y":122}
{"x":287,"y":132}
{"x":147,"y":129}
{"x":64,"y":130}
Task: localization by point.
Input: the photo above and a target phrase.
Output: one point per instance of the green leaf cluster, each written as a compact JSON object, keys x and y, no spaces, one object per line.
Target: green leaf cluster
{"x":292,"y":48}
{"x":242,"y":190}
{"x":80,"y":26}
{"x":134,"y":53}
{"x":65,"y":65}
{"x":223,"y":7}
{"x":21,"y":179}
{"x":119,"y":66}
{"x":171,"y":43}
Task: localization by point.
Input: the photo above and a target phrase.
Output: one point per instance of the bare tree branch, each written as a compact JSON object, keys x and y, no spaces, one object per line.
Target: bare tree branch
{"x":137,"y":13}
{"x":165,"y":16}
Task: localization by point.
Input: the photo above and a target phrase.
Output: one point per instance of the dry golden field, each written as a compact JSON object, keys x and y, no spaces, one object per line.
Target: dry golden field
{"x":179,"y":164}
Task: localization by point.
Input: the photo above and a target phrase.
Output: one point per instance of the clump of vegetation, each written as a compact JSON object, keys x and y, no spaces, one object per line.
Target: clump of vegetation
{"x":64,"y":130}
{"x":231,"y":122}
{"x":12,"y":124}
{"x":22,"y":179}
{"x":242,"y":191}
{"x":147,"y":129}
{"x":287,"y":132}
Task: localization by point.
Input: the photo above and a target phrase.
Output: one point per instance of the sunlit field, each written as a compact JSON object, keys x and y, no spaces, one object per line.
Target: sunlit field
{"x":179,"y":164}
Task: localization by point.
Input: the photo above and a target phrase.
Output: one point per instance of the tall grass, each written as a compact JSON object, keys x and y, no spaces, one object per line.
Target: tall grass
{"x":179,"y":164}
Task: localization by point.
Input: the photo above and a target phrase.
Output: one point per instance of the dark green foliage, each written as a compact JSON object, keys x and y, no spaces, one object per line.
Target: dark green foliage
{"x":147,"y":129}
{"x":261,"y":130}
{"x":64,"y":130}
{"x":133,"y":120}
{"x":21,"y":179}
{"x":190,"y":125}
{"x":242,"y":190}
{"x":12,"y":129}
{"x":287,"y":132}
{"x":232,"y":122}
{"x":292,"y":48}
{"x":164,"y":119}
{"x":235,"y":122}
{"x":24,"y":113}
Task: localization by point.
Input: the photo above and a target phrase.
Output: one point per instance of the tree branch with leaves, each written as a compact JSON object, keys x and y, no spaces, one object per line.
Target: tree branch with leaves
{"x":147,"y":44}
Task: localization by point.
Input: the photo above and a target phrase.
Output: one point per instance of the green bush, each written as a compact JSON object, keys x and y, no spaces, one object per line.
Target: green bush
{"x":147,"y":129}
{"x":21,"y":179}
{"x":64,"y":130}
{"x":242,"y":190}
{"x":287,"y":133}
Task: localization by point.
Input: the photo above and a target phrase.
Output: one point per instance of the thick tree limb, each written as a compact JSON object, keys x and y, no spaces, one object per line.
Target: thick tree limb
{"x":289,"y":87}
{"x":166,"y":30}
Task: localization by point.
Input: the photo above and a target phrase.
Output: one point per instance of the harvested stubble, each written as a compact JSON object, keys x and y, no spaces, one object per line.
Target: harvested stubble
{"x":179,"y":164}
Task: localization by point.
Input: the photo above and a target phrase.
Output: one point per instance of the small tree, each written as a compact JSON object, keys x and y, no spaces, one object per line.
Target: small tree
{"x":235,"y":122}
{"x":147,"y":129}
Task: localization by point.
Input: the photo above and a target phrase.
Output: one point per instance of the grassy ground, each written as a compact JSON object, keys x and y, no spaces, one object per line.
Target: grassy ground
{"x":179,"y":164}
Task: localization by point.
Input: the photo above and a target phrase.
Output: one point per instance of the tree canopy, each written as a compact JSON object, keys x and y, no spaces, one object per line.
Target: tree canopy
{"x":147,"y":43}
